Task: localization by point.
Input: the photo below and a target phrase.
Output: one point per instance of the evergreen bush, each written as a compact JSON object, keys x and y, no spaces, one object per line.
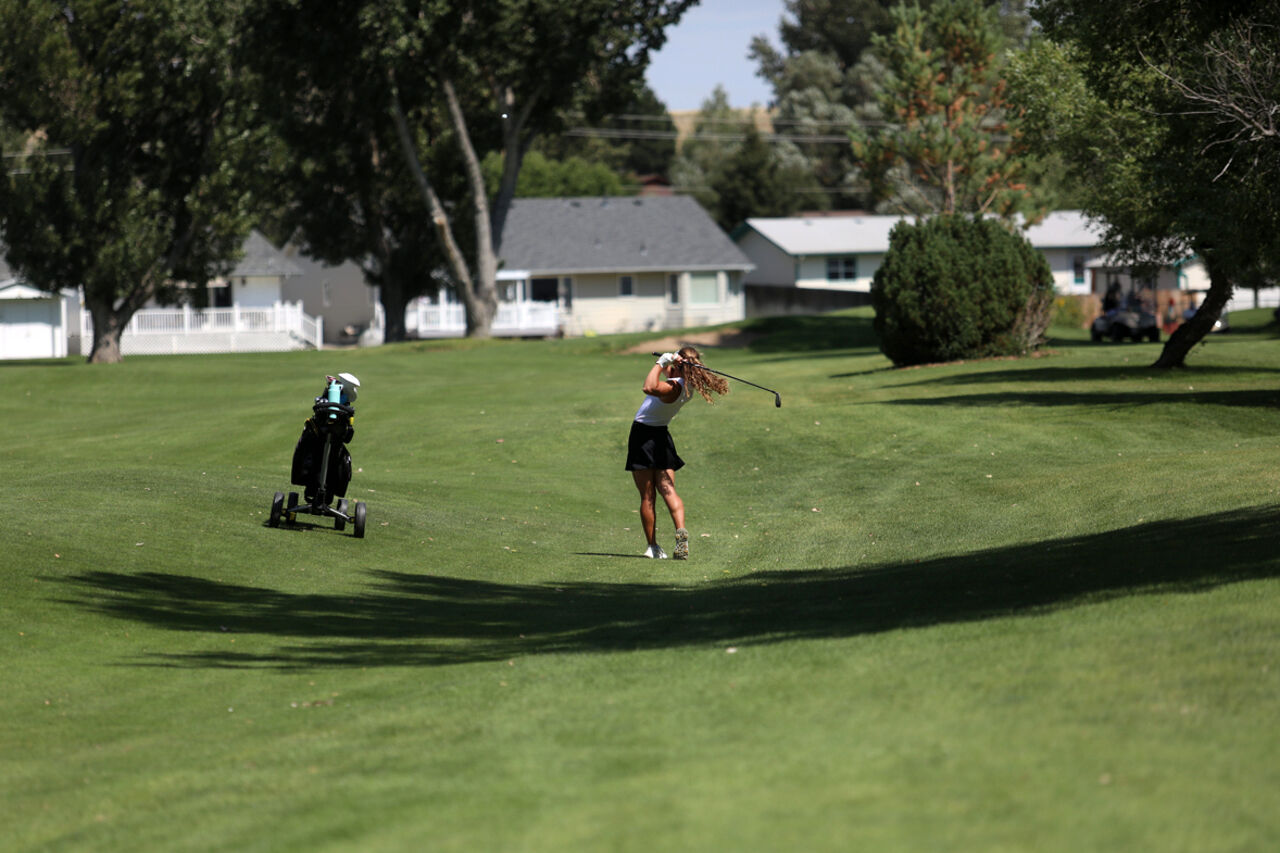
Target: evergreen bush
{"x":954,"y":287}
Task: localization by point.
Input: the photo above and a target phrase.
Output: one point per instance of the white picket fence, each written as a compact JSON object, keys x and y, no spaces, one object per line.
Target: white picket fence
{"x":165,"y":331}
{"x":424,"y":319}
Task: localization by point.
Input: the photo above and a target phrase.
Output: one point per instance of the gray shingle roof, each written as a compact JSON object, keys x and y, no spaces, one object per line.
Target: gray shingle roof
{"x":262,"y":258}
{"x":615,"y":234}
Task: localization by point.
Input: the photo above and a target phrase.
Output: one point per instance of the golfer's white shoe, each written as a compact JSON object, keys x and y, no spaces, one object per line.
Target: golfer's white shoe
{"x":655,"y":552}
{"x":682,"y":544}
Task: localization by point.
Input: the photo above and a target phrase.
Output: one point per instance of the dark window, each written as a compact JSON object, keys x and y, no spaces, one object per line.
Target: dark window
{"x":841,"y":269}
{"x":544,"y":289}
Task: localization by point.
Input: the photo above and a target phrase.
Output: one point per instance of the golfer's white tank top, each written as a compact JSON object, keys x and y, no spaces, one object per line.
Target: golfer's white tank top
{"x":654,"y":412}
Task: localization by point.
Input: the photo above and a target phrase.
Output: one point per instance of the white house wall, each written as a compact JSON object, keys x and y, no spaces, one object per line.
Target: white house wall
{"x":773,"y":266}
{"x":32,"y":328}
{"x":1062,"y":264}
{"x":256,"y":291}
{"x":1194,"y":276}
{"x":598,"y":309}
{"x":811,"y":272}
{"x":731,"y":304}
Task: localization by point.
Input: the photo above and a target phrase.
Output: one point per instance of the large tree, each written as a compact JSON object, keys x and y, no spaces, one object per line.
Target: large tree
{"x":542,"y":177}
{"x":1170,"y":108}
{"x":755,"y":181}
{"x":638,"y":139}
{"x":826,"y":79}
{"x":133,"y":176}
{"x":349,"y":194}
{"x":462,"y":78}
{"x":950,"y":142}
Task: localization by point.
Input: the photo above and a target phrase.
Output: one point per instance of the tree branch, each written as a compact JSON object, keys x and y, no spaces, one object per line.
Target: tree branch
{"x":438,"y":215}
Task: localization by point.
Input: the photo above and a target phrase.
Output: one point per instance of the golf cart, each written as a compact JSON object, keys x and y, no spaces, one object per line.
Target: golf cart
{"x":1120,"y":324}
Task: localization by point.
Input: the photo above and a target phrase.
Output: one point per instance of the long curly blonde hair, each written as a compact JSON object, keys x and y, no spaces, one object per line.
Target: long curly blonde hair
{"x":702,"y":381}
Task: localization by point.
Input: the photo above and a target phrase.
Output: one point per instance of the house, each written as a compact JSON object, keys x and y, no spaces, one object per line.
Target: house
{"x":247,"y":313}
{"x":602,"y":265}
{"x":33,"y":324}
{"x":806,"y":264}
{"x":338,"y":294}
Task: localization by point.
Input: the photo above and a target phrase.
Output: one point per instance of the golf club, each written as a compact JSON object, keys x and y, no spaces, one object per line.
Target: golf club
{"x":777,"y":398}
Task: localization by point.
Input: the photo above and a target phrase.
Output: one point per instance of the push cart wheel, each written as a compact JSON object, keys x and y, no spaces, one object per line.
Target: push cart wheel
{"x":290,"y":515}
{"x":277,"y":509}
{"x":340,"y":523}
{"x":359,"y":520}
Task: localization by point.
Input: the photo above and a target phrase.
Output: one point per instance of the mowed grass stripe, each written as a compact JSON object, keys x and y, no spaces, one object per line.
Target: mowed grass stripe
{"x":1062,"y":638}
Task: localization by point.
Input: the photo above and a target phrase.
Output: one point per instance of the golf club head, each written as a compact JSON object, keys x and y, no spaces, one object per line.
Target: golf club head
{"x":777,"y":400}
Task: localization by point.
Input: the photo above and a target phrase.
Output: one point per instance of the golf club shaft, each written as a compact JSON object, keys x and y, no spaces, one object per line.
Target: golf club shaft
{"x":777,"y":397}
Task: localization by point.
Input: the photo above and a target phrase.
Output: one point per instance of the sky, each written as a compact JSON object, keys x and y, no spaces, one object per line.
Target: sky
{"x":709,"y":46}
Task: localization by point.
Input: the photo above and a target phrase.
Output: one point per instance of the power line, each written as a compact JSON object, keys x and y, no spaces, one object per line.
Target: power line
{"x":616,"y":133}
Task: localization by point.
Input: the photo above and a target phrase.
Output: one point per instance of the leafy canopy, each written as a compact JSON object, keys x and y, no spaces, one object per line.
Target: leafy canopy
{"x":951,"y":142}
{"x":135,"y":169}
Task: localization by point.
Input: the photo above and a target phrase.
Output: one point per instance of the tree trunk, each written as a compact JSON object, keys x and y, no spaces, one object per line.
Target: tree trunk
{"x":1193,"y":331}
{"x":392,"y":296}
{"x":107,"y":328}
{"x":484,"y":304}
{"x":479,"y":295}
{"x":479,"y":317}
{"x":513,"y":150}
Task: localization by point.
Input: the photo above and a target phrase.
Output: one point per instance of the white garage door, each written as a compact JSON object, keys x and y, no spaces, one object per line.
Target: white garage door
{"x":29,"y":328}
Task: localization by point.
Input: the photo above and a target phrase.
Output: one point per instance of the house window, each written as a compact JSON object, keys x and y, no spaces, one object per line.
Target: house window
{"x":842,"y":268}
{"x":1077,"y":268}
{"x":566,"y":293}
{"x":673,"y":289}
{"x":220,"y":296}
{"x":626,"y":285}
{"x":703,"y":288}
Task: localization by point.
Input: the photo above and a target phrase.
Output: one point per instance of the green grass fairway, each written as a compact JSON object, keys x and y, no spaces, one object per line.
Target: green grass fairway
{"x":1007,"y":605}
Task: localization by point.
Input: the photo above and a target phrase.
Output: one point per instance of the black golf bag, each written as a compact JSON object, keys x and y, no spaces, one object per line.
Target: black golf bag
{"x":330,"y":421}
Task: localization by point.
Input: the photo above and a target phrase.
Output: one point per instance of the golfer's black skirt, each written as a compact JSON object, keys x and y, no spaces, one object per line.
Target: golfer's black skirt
{"x":651,"y":447}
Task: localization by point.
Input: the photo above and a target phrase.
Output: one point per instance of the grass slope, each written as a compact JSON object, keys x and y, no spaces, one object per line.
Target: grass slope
{"x":1000,"y":605}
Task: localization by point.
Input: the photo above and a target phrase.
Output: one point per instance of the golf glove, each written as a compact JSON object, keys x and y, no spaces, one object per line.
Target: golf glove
{"x":666,"y":358}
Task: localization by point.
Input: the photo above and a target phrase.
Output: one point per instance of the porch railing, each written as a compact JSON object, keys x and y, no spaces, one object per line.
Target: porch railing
{"x":154,"y":331}
{"x":514,"y":319}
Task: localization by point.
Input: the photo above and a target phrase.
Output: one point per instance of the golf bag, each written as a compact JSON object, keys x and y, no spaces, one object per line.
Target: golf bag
{"x":321,"y":463}
{"x":334,"y":422}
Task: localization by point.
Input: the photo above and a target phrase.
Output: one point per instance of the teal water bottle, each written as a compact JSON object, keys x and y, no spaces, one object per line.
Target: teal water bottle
{"x":334,"y":395}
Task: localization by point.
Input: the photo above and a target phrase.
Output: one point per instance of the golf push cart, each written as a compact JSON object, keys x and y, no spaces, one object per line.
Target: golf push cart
{"x":321,"y":462}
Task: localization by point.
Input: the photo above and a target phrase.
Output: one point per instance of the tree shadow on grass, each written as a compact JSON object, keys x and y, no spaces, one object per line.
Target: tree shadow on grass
{"x":428,"y":620}
{"x":1252,"y":398}
{"x":1046,"y":374}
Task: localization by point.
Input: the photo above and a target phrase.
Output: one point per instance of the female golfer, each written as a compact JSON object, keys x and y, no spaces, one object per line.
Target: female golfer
{"x":651,"y":454}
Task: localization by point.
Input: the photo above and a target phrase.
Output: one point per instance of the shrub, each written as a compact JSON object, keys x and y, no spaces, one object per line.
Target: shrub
{"x":953,"y":287}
